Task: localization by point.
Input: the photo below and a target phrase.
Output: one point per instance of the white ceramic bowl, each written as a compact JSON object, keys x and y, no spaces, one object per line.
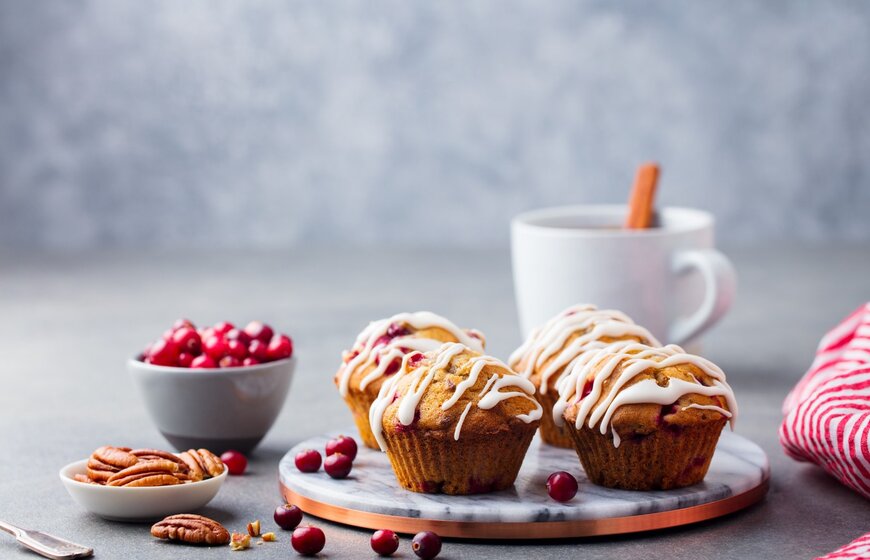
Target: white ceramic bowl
{"x":138,"y":504}
{"x":219,"y":409}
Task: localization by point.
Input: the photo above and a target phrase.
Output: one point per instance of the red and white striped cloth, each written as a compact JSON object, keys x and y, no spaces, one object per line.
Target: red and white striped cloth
{"x":827,"y":415}
{"x":859,"y":549}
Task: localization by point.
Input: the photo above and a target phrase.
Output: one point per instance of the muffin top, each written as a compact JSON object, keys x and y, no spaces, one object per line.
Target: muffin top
{"x":551,"y":348}
{"x":634,"y":389}
{"x":452,"y":386}
{"x":380,"y":347}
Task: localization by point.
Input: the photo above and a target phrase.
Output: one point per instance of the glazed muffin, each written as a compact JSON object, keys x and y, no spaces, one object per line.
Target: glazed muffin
{"x":644,"y":418}
{"x":377,"y":355}
{"x":552,"y":348}
{"x":454,"y":421}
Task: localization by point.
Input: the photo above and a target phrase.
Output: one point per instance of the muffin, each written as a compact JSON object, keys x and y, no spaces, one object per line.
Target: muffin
{"x":377,"y":355}
{"x":644,"y":418}
{"x":552,"y":348}
{"x":454,"y":421}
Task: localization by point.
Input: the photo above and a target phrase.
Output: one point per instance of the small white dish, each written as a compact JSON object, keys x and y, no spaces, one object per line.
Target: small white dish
{"x":138,"y":504}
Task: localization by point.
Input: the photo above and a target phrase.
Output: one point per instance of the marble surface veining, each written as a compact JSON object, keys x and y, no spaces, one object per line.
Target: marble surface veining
{"x":738,"y":466}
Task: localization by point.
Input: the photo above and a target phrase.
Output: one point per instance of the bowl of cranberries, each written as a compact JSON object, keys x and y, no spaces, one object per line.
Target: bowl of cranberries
{"x":220,"y":387}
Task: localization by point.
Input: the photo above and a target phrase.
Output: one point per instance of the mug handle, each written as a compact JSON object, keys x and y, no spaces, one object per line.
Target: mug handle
{"x":720,"y":284}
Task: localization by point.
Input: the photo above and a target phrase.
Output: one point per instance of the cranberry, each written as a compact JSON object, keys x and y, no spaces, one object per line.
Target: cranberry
{"x":342,"y":444}
{"x":236,"y":334}
{"x":164,"y":353}
{"x":393,"y":367}
{"x":203,"y":361}
{"x":236,"y":462}
{"x":167,"y":334}
{"x":308,"y":460}
{"x":288,"y":516}
{"x":308,"y":540}
{"x":236,"y":349}
{"x":258,"y":349}
{"x":182,"y":323}
{"x":561,"y":486}
{"x":260,"y":331}
{"x":415,"y":359}
{"x":396,"y":329}
{"x":206,"y":333}
{"x":188,"y":340}
{"x":249,"y":361}
{"x":426,"y":545}
{"x":338,"y":465}
{"x":382,"y":340}
{"x":185,"y":359}
{"x":215,"y":347}
{"x":587,"y":388}
{"x":223,"y":328}
{"x":280,"y":347}
{"x":229,"y":361}
{"x":385,"y":542}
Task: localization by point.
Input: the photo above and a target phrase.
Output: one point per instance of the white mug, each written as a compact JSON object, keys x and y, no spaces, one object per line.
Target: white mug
{"x":668,"y":278}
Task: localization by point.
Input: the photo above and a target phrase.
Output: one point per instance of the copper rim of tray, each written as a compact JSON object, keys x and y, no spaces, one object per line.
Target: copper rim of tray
{"x":529,"y":530}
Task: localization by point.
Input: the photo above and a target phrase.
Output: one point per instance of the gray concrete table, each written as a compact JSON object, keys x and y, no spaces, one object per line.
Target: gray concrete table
{"x":70,"y":321}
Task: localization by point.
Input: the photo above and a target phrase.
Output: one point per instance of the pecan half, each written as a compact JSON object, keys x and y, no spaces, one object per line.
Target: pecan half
{"x":115,"y":456}
{"x":159,"y":467}
{"x":203,"y":461}
{"x":211,"y":462}
{"x":195,"y":473}
{"x":191,"y":529}
{"x":154,"y":454}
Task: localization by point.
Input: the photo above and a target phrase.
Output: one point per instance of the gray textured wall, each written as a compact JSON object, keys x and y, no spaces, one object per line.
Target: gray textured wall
{"x":215,"y":123}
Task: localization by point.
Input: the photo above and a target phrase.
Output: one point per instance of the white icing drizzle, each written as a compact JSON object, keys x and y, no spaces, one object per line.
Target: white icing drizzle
{"x":461,"y":420}
{"x":421,"y":378}
{"x":548,"y":340}
{"x":635,"y":358}
{"x":369,"y":346}
{"x":718,"y":409}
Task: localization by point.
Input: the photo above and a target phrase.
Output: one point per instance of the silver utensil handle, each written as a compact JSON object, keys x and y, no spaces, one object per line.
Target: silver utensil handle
{"x":47,"y":545}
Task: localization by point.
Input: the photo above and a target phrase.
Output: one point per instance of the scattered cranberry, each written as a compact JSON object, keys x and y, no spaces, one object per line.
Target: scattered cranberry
{"x":308,"y":540}
{"x":426,"y":545}
{"x":215,"y":347}
{"x":188,"y":340}
{"x":280,"y":347}
{"x":249,"y":361}
{"x":164,"y":353}
{"x":258,"y":349}
{"x":167,"y":334}
{"x":185,"y":359}
{"x":385,"y":542}
{"x":308,"y":460}
{"x":561,"y":486}
{"x":338,"y":465}
{"x":236,"y":462}
{"x":223,"y":327}
{"x":236,"y":334}
{"x":342,"y":444}
{"x":229,"y":361}
{"x":260,"y":331}
{"x":203,"y":361}
{"x":288,"y":516}
{"x":237,"y":349}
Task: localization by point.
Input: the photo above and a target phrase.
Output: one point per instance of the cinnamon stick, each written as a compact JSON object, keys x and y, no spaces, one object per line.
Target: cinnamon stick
{"x":641,"y":203}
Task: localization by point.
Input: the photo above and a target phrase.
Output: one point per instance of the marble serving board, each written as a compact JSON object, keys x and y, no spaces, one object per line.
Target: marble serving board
{"x":737,"y":477}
